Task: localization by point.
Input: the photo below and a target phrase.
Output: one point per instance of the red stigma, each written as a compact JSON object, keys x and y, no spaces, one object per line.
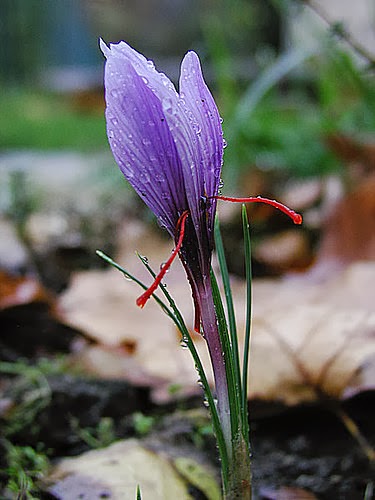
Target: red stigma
{"x":296,"y":217}
{"x":180,"y":226}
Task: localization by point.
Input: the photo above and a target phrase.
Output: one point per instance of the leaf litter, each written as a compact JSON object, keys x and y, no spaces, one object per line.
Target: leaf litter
{"x":317,"y":337}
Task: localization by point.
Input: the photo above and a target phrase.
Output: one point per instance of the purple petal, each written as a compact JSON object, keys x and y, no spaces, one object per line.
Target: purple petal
{"x":201,"y":104}
{"x":141,"y":141}
{"x":179,"y":118}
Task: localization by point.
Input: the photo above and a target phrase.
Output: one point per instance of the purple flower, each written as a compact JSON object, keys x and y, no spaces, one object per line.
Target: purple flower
{"x":169,"y":146}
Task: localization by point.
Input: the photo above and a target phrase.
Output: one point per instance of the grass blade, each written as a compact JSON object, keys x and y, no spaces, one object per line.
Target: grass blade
{"x":229,"y":301}
{"x":245,"y":366}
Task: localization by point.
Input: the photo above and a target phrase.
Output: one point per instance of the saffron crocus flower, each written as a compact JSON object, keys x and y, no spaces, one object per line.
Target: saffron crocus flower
{"x":169,"y":146}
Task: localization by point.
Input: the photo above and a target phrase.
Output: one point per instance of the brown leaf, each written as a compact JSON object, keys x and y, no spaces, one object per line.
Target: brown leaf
{"x":18,"y":290}
{"x":317,"y":337}
{"x":349,"y":234}
{"x":284,"y":251}
{"x":102,"y":304}
{"x":115,"y":472}
{"x":353,"y":152}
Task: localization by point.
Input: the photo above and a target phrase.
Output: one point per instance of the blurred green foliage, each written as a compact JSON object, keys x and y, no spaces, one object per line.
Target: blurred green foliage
{"x":283,"y":122}
{"x":26,"y":466}
{"x":42,"y":120}
{"x":279,"y":117}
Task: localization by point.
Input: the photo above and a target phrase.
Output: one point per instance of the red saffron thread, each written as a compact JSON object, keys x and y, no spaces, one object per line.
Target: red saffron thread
{"x":296,"y":217}
{"x":141,"y":301}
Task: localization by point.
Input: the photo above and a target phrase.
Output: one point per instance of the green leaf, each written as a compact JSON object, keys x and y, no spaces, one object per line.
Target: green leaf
{"x":229,"y":301}
{"x":197,"y":475}
{"x":245,"y":366}
{"x":234,"y":394}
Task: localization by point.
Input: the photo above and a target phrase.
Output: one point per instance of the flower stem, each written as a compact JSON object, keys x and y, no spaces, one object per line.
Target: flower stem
{"x":237,"y":476}
{"x":211,"y":334}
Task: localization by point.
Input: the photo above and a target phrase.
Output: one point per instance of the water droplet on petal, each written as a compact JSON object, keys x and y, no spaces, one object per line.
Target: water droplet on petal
{"x":166,"y":81}
{"x":145,"y":80}
{"x":224,"y":143}
{"x":145,"y":176}
{"x":167,"y":105}
{"x":114,"y":93}
{"x":146,"y":141}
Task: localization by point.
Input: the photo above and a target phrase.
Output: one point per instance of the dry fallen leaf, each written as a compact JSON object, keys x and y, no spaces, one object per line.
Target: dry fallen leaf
{"x":315,"y":336}
{"x":102,"y":304}
{"x":19,"y":290}
{"x":115,"y":472}
{"x":284,"y":251}
{"x":360,"y":155}
{"x":349,"y":234}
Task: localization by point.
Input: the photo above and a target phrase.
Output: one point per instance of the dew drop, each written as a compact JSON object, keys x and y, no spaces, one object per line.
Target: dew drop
{"x":166,"y":81}
{"x":183,"y":344}
{"x":150,"y":64}
{"x":151,"y":123}
{"x":114,"y":121}
{"x":224,"y":143}
{"x":145,"y":80}
{"x":145,"y":177}
{"x":162,"y":265}
{"x":167,"y":105}
{"x":114,"y":93}
{"x":146,"y":141}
